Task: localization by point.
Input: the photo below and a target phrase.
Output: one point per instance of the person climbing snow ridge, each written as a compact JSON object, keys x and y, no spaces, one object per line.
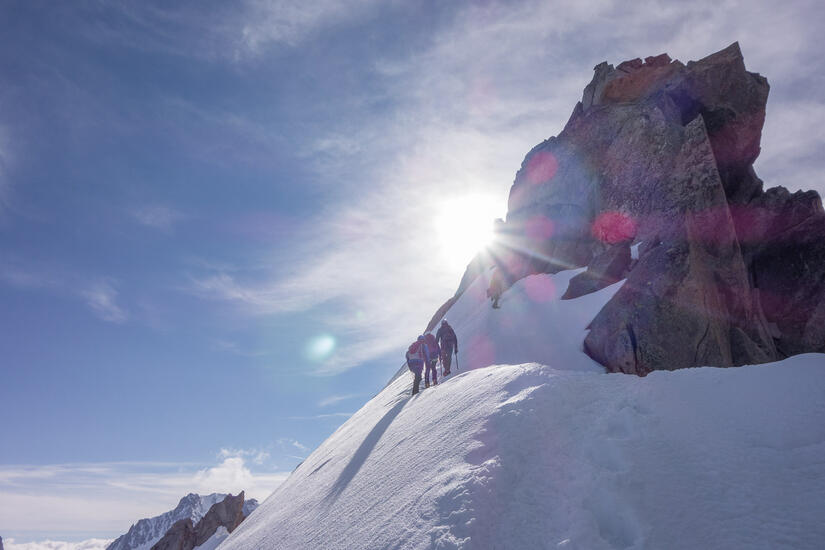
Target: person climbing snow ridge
{"x":447,"y":341}
{"x":432,"y":359}
{"x":416,"y":355}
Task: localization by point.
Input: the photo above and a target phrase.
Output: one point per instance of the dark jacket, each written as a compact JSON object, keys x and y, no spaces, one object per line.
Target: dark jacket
{"x":446,"y":337}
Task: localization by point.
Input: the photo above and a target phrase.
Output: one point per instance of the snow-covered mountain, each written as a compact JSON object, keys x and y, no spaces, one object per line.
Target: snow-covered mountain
{"x":188,"y":535}
{"x":562,"y":455}
{"x":146,"y":532}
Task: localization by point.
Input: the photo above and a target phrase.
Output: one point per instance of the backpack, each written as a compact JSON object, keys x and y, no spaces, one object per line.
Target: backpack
{"x":415,"y":351}
{"x":429,"y":339}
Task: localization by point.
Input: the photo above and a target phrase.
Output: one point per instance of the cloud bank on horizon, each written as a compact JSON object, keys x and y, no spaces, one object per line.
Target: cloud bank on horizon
{"x":89,"y":544}
{"x":106,"y":498}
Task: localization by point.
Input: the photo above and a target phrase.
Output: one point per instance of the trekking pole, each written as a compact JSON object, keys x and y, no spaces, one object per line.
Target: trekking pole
{"x":456,"y":359}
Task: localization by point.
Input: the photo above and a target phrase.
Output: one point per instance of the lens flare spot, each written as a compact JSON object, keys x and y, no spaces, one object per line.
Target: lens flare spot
{"x":614,"y":227}
{"x":542,"y":167}
{"x":482,"y":353}
{"x":320,"y":347}
{"x":539,"y":228}
{"x":540,"y":288}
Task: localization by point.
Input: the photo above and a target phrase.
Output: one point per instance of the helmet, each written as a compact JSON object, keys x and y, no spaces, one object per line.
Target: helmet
{"x":421,"y":338}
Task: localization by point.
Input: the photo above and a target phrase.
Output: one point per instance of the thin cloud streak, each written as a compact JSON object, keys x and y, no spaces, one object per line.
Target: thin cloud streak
{"x":333,"y":399}
{"x":290,"y":22}
{"x":100,"y":295}
{"x":101,"y":298}
{"x":158,"y":216}
{"x":5,"y":162}
{"x":226,"y":33}
{"x":320,"y":416}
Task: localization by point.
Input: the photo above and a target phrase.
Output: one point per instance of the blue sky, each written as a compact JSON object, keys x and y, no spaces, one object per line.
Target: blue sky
{"x":219,"y":224}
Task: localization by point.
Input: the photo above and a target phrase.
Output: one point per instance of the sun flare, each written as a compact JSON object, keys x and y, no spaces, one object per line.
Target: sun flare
{"x":464,"y":226}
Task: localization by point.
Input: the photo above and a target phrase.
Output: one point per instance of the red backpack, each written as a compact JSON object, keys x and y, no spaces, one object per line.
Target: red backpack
{"x":415,"y":351}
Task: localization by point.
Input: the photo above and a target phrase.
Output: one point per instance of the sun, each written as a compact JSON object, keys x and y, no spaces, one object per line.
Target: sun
{"x":464,"y":226}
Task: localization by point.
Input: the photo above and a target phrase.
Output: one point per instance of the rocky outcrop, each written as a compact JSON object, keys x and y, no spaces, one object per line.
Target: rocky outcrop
{"x":146,"y":532}
{"x":660,"y":154}
{"x":184,"y":535}
{"x":181,"y":536}
{"x":228,"y":513}
{"x":611,"y":266}
{"x":688,"y":302}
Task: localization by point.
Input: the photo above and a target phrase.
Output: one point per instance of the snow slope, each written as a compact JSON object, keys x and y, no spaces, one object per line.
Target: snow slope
{"x":537,"y":456}
{"x":533,"y":324}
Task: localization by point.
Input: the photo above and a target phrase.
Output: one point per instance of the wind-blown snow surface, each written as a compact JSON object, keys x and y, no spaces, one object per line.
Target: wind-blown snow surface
{"x":531,"y":456}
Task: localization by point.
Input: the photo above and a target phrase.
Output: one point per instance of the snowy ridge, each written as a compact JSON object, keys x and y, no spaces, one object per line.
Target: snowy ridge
{"x":538,"y":456}
{"x":530,"y":457}
{"x":146,"y":532}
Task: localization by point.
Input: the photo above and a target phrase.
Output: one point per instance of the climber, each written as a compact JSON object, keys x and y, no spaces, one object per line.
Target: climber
{"x":416,"y":355}
{"x":495,"y":288}
{"x":432,"y":359}
{"x":447,"y":341}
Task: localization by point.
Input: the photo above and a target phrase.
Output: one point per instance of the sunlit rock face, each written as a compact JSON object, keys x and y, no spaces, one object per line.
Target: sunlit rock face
{"x":188,"y":535}
{"x":660,"y":154}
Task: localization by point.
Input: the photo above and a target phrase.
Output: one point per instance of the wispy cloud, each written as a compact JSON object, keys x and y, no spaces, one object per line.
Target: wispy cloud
{"x":290,"y":22}
{"x":158,"y":216}
{"x":5,"y":161}
{"x":321,"y":416}
{"x":333,"y":399}
{"x":25,"y":277}
{"x":233,"y":33}
{"x":100,"y":295}
{"x":258,"y":456}
{"x":292,"y":443}
{"x":101,"y":298}
{"x":792,"y":146}
{"x":236,"y":349}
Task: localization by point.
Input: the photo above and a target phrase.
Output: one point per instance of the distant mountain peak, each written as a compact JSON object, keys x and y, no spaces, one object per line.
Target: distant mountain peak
{"x":221,"y":519}
{"x":148,"y":531}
